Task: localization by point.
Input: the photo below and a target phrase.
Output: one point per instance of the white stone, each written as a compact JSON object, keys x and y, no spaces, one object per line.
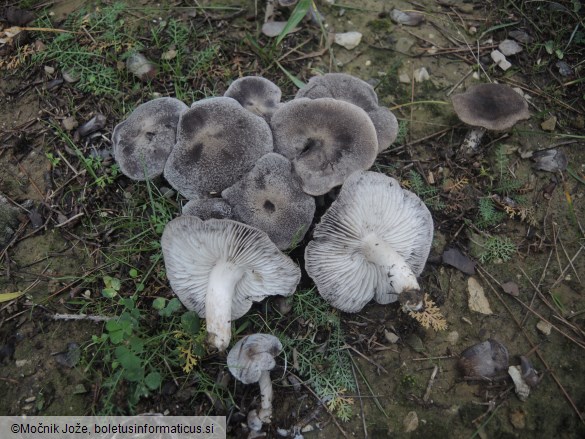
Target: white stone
{"x":544,"y":327}
{"x":522,"y":389}
{"x":349,"y":40}
{"x":421,"y":75}
{"x":477,"y":300}
{"x":509,"y":47}
{"x":500,"y":60}
{"x":404,"y":78}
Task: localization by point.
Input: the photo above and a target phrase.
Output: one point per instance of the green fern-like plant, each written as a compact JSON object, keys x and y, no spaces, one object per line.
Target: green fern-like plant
{"x":504,"y":183}
{"x":326,"y":367}
{"x":488,"y":215}
{"x":429,"y":194}
{"x":497,"y":248}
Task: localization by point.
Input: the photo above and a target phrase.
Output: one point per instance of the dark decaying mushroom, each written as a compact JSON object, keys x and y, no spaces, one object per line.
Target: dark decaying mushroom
{"x":219,"y":267}
{"x":351,"y":89}
{"x":484,"y":360}
{"x":325,"y":139}
{"x":494,"y":107}
{"x":218,"y":141}
{"x":142,"y":143}
{"x":255,"y":94}
{"x":270,"y":198}
{"x":250,"y":361}
{"x":370,"y":244}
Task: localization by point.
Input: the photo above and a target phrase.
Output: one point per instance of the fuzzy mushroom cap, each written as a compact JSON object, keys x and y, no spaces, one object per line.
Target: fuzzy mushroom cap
{"x":270,"y":198}
{"x":495,"y":107}
{"x":255,"y":94}
{"x":371,"y":207}
{"x":143,"y":142}
{"x":325,"y":139}
{"x":208,"y":208}
{"x":218,"y":141}
{"x":348,"y":88}
{"x":252,"y":355}
{"x":192,"y":248}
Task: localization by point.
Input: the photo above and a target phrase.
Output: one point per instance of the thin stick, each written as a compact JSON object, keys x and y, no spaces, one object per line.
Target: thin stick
{"x":459,"y":82}
{"x":369,"y":360}
{"x":357,"y":388}
{"x":81,"y":317}
{"x":430,"y":384}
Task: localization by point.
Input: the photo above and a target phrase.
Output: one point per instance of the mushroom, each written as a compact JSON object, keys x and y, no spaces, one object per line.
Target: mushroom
{"x":484,"y":360}
{"x":348,"y":88}
{"x":207,"y":208}
{"x":270,"y":198}
{"x":219,"y":267}
{"x":371,"y":243}
{"x":494,"y":107}
{"x":250,"y":361}
{"x":142,"y":143}
{"x":218,"y":141}
{"x":325,"y":139}
{"x":255,"y":94}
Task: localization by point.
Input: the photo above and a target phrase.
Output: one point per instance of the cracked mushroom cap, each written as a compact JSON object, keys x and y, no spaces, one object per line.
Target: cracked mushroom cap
{"x":370,"y":244}
{"x":252,"y":355}
{"x":255,"y":94}
{"x":270,"y":198}
{"x":142,"y":143}
{"x":495,"y":107}
{"x":325,"y":139}
{"x":219,"y":267}
{"x":218,"y":141}
{"x":351,"y":89}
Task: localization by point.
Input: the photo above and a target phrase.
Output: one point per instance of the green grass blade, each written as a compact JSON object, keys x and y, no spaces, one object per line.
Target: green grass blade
{"x":296,"y":81}
{"x":295,"y":18}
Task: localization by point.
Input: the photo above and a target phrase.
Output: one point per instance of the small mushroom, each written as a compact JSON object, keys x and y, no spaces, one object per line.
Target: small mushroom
{"x":250,"y":361}
{"x":494,"y":107}
{"x":371,"y":243}
{"x":142,"y":143}
{"x":218,"y":141}
{"x":219,"y":267}
{"x":270,"y":198}
{"x":484,"y":360}
{"x":348,"y":88}
{"x":255,"y":94}
{"x":325,"y":139}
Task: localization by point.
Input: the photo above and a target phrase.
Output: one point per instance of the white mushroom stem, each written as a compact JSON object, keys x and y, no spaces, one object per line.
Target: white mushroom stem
{"x":381,"y":253}
{"x":218,"y":303}
{"x":265,"y":383}
{"x":472,"y":140}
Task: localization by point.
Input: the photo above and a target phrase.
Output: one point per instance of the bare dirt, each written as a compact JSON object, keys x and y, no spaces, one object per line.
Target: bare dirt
{"x":548,"y":266}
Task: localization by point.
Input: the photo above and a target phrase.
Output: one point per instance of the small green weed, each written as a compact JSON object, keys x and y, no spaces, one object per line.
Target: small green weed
{"x":497,"y":248}
{"x":488,"y":215}
{"x":429,"y":194}
{"x":129,"y":352}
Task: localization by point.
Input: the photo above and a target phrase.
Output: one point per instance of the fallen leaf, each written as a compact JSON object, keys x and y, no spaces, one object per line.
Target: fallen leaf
{"x":511,"y":288}
{"x":455,"y":258}
{"x":406,"y":18}
{"x":550,"y":160}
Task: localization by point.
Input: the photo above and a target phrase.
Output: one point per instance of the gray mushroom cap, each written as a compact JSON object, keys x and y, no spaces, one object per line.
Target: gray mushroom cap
{"x":351,"y":89}
{"x":495,"y":107}
{"x":270,"y":198}
{"x":143,"y":142}
{"x":207,"y":208}
{"x":256,"y":94}
{"x":219,"y":267}
{"x":370,"y":244}
{"x":252,"y":355}
{"x":325,"y":139}
{"x":218,"y":141}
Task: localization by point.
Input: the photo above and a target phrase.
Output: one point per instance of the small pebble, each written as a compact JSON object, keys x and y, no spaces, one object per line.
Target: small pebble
{"x":544,"y":327}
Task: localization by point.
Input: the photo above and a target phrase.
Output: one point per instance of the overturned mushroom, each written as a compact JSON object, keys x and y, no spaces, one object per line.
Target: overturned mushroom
{"x":371,"y":244}
{"x":219,"y":267}
{"x":494,"y":107}
{"x":325,"y":139}
{"x":218,"y":141}
{"x":250,"y":361}
{"x":348,"y":88}
{"x":270,"y":198}
{"x":255,"y":94}
{"x":142,"y":143}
